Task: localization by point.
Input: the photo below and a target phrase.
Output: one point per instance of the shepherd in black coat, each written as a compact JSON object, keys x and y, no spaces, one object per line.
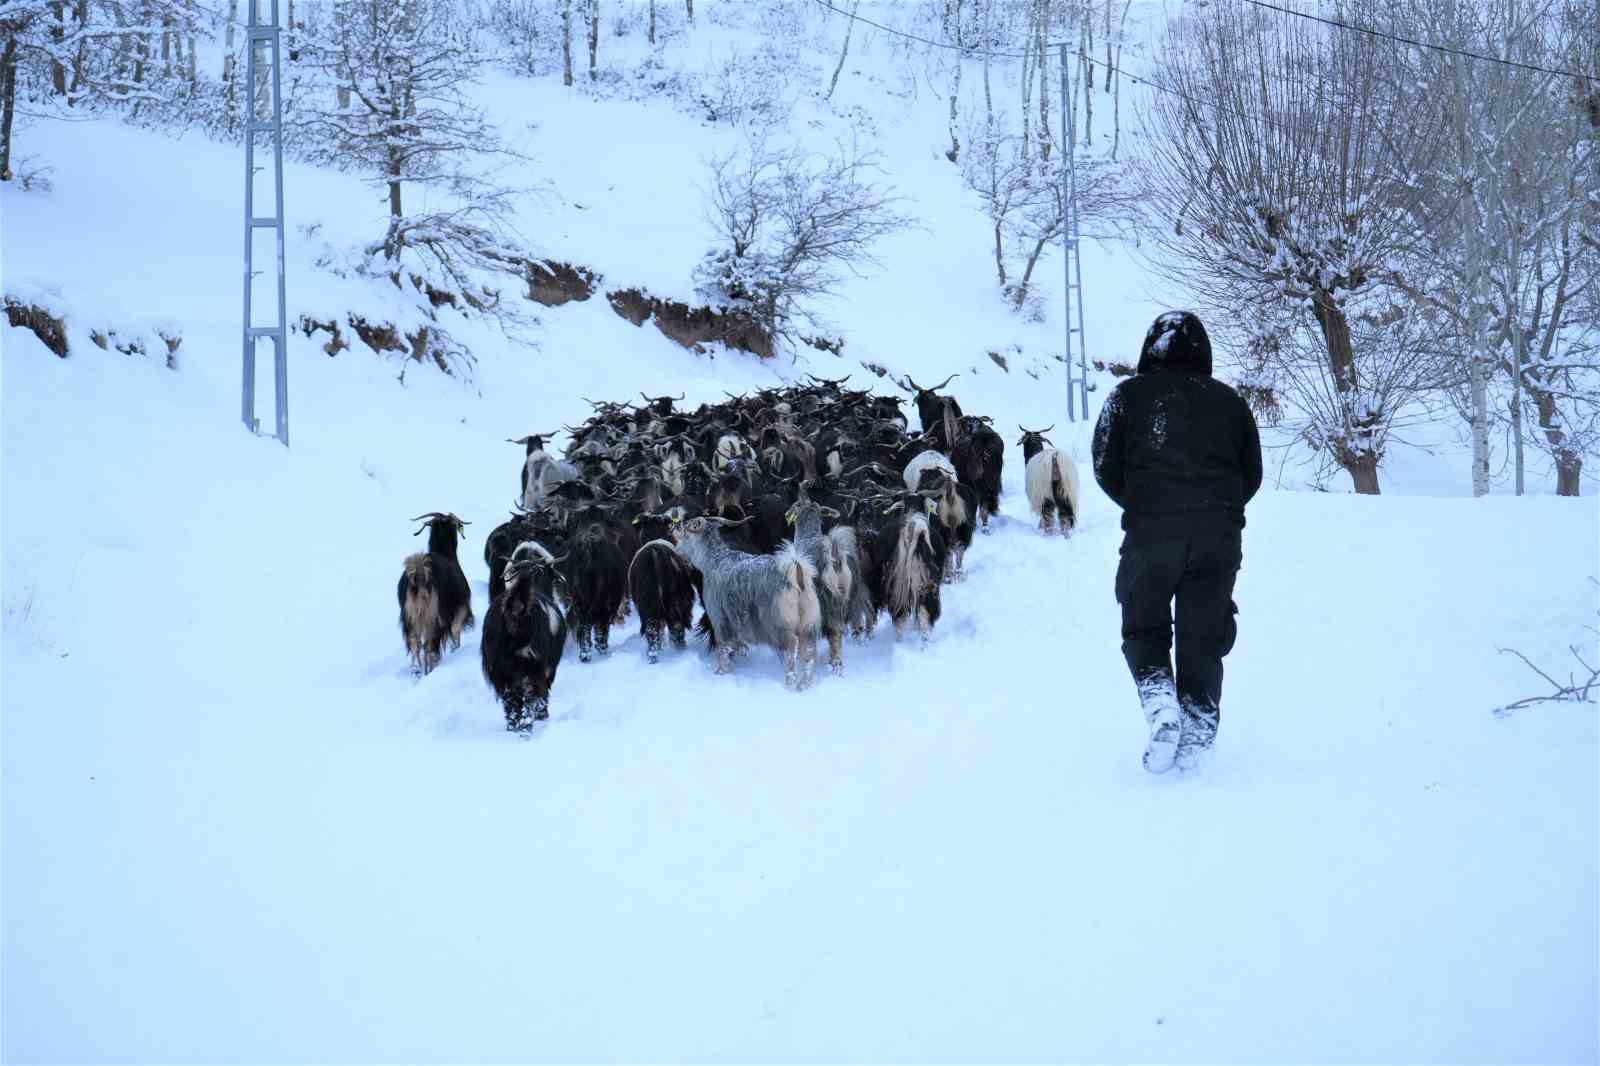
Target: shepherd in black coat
{"x":1179,"y":452}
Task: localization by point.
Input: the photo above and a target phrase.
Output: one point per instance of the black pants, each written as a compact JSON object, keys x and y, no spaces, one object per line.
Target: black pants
{"x":1197,"y":567}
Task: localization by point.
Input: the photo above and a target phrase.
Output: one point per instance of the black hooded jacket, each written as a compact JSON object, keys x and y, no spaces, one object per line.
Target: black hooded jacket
{"x":1173,"y":444}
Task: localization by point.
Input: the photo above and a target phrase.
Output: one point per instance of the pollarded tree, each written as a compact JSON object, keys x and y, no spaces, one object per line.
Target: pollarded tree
{"x":1277,"y":189}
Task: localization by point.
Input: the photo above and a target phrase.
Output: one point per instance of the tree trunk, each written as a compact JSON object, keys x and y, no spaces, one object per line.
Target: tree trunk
{"x":955,"y":84}
{"x":566,"y":42}
{"x":227,"y":44}
{"x":1027,"y":80}
{"x":1363,"y":470}
{"x":1569,"y":474}
{"x":594,"y":38}
{"x":999,"y":258}
{"x":1357,"y":450}
{"x":80,"y":59}
{"x":1569,"y":465}
{"x":690,"y":5}
{"x":1045,"y":143}
{"x":8,"y":104}
{"x":652,"y":21}
{"x":293,"y":35}
{"x":1518,"y":361}
{"x":58,"y":33}
{"x":1108,"y":4}
{"x":850,"y":24}
{"x":167,"y":34}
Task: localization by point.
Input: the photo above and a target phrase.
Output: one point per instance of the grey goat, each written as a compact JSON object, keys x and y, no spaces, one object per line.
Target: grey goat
{"x":841,"y":593}
{"x":756,"y":599}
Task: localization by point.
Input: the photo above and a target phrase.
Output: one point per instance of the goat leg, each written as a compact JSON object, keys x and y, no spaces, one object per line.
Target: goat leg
{"x":516,"y":720}
{"x":725,"y":657}
{"x":1047,"y":517}
{"x":585,"y":652}
{"x":652,"y":641}
{"x":791,"y":666}
{"x":602,"y":638}
{"x":835,"y":652}
{"x":680,"y":637}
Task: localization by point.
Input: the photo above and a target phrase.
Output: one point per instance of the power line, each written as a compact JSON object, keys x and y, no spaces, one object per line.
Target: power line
{"x":1137,"y":79}
{"x":1341,"y":24}
{"x":923,"y":40}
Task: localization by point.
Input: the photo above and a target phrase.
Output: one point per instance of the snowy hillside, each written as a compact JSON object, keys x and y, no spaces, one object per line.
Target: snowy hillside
{"x":236,"y":828}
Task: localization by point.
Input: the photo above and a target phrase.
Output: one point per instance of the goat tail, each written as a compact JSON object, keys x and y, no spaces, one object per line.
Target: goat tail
{"x":1064,"y":488}
{"x":798,"y":602}
{"x":1041,"y":479}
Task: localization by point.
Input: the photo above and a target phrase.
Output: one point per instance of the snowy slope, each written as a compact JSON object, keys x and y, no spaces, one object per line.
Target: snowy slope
{"x":235,"y":829}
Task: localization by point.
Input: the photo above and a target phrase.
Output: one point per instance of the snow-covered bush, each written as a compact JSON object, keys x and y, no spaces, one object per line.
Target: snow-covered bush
{"x":790,"y":225}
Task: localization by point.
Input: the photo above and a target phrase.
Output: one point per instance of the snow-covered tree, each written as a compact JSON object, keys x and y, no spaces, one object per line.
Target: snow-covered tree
{"x":404,"y":66}
{"x":1506,"y":260}
{"x":790,"y":226}
{"x":1279,"y":191}
{"x":69,"y":53}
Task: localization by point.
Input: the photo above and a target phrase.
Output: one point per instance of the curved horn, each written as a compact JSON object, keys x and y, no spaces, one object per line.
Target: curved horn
{"x":943,"y":383}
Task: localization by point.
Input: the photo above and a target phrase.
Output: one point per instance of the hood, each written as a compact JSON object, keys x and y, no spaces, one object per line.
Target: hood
{"x":1176,"y":341}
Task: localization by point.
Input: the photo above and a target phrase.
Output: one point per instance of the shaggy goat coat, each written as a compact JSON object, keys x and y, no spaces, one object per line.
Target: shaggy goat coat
{"x":524,"y":636}
{"x":1052,"y":482}
{"x":757,"y":599}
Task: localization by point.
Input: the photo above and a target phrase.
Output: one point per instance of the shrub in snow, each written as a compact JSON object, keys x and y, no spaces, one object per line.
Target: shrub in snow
{"x":790,"y":225}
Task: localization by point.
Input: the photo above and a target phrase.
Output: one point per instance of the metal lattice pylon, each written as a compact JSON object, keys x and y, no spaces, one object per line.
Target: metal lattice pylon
{"x":1072,"y":264}
{"x":260,"y":40}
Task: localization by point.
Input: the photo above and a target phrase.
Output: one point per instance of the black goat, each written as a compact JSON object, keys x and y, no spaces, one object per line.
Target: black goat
{"x":909,"y":566}
{"x":523,"y":638}
{"x":662,"y":585}
{"x":956,"y":515}
{"x":979,"y":456}
{"x":435,"y":599}
{"x":596,"y":573}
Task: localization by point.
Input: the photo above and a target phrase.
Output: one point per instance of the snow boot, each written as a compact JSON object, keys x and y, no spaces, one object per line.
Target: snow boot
{"x":1158,"y":695}
{"x":1200,"y":720}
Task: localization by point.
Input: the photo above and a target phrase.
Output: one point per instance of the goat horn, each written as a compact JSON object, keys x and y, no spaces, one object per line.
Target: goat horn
{"x":943,"y":383}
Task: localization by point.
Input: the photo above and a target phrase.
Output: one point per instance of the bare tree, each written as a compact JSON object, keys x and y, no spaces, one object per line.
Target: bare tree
{"x":107,"y":44}
{"x":790,"y":226}
{"x":410,"y":120}
{"x":1277,"y":190}
{"x":1502,"y":261}
{"x":849,"y":25}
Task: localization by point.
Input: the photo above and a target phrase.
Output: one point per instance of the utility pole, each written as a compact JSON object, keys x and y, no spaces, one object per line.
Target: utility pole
{"x":1071,"y":263}
{"x":260,"y":40}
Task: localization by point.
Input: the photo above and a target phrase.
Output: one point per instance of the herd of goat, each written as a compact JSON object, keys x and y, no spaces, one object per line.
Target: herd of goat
{"x":793,"y":515}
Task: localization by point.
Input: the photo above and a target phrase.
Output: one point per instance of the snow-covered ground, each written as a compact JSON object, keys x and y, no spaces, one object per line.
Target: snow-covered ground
{"x":235,"y":829}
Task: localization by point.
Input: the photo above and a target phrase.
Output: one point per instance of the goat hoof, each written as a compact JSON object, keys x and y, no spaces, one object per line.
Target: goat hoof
{"x":584,"y":657}
{"x":986,"y":531}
